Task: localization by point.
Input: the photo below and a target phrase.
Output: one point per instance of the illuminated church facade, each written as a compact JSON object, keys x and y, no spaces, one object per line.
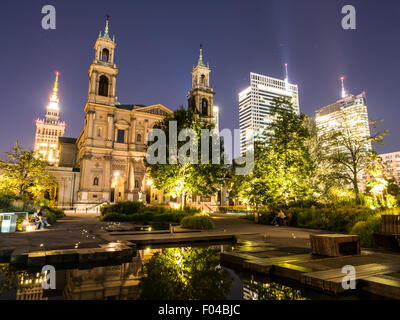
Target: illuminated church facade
{"x":105,"y":164}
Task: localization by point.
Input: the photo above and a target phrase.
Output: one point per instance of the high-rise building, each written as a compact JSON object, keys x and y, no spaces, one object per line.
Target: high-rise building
{"x":392,"y":164}
{"x":255,"y":103}
{"x":348,"y":114}
{"x":48,"y":130}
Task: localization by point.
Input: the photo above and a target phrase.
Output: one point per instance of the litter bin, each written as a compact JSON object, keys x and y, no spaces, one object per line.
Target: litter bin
{"x":8,"y":222}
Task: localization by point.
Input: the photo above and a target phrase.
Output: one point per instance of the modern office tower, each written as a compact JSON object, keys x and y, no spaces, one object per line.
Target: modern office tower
{"x":255,"y":106}
{"x":392,"y":163}
{"x":48,"y":130}
{"x":349,"y":115}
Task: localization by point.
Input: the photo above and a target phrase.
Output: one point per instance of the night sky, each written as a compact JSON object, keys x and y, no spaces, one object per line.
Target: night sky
{"x":158,"y":44}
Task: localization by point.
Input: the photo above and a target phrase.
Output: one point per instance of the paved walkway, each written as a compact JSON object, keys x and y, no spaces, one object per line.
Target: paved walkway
{"x":85,"y":230}
{"x":279,"y":236}
{"x":82,"y":229}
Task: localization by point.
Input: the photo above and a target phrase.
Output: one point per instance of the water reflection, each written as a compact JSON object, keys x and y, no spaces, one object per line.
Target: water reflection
{"x":254,"y":290}
{"x":170,"y":273}
{"x":185,"y":274}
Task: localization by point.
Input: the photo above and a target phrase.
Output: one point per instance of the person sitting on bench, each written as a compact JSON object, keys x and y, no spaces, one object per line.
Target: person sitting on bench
{"x":279,"y":219}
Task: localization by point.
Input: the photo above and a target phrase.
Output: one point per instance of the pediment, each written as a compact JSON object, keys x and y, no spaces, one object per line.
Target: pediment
{"x":157,"y":109}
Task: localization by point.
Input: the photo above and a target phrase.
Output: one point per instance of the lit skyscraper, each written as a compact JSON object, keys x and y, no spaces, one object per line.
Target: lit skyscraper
{"x":255,"y":105}
{"x":348,"y":114}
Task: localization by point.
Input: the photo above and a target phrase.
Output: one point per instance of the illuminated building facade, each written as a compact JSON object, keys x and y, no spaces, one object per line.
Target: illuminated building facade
{"x":255,"y":105}
{"x":49,"y":130}
{"x":349,"y":115}
{"x":392,"y":164}
{"x":201,"y":97}
{"x":106,"y":162}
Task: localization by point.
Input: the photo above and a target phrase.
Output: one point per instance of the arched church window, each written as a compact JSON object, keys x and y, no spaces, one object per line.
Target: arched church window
{"x":139,"y":138}
{"x":137,"y":184}
{"x":103,"y":86}
{"x":204,"y":107}
{"x":203,"y":80}
{"x":105,"y":55}
{"x":96,"y":181}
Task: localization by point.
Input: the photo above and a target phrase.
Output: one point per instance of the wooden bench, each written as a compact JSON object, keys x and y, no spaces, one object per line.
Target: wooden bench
{"x":335,"y":245}
{"x":389,"y":237}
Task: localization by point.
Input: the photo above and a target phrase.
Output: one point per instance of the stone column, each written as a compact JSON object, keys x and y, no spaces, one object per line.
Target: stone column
{"x":133,"y":130}
{"x":110,"y":128}
{"x":146,"y":124}
{"x":90,"y":123}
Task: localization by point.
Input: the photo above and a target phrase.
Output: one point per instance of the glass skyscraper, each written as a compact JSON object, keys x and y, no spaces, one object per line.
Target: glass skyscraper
{"x":255,"y":106}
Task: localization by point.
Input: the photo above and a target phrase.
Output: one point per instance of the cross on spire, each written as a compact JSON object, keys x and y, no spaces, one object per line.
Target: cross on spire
{"x":201,"y":63}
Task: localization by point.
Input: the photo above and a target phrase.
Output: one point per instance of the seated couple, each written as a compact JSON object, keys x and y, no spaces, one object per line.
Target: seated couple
{"x":39,"y":220}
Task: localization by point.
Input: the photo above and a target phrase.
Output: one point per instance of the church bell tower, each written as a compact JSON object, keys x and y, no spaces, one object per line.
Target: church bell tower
{"x":201,"y":97}
{"x":103,"y":71}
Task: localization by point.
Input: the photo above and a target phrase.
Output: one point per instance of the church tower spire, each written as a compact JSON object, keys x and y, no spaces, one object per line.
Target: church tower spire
{"x":103,"y":71}
{"x":201,"y":97}
{"x":53,"y":108}
{"x":50,"y":129}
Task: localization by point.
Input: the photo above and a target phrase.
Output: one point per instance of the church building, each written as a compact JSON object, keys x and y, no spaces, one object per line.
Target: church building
{"x":105,"y":164}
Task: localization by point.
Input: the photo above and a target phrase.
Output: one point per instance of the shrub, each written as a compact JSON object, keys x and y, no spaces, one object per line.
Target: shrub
{"x":197,"y":222}
{"x":58,"y":213}
{"x":50,"y":216}
{"x":5,"y":203}
{"x":125,"y":207}
{"x":150,"y":214}
{"x":366,"y":229}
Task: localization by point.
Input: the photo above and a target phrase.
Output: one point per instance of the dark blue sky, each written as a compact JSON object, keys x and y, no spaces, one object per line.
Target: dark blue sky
{"x":158,"y":43}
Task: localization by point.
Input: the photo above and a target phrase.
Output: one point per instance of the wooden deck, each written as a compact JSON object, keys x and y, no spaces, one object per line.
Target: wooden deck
{"x":376,"y":273}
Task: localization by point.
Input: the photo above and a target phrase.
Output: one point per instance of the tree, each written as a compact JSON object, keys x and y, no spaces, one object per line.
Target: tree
{"x":349,"y":153}
{"x":283,"y":165}
{"x":24,"y":175}
{"x":180,"y":179}
{"x":185,"y":274}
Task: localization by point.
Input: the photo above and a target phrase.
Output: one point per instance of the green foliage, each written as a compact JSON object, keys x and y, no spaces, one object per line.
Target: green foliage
{"x":352,"y":154}
{"x":139,"y":213}
{"x":366,"y":229}
{"x":58,"y":213}
{"x":124,"y":207}
{"x":185,"y":274}
{"x":182,"y":179}
{"x":50,"y":216}
{"x":200,"y":222}
{"x":5,"y":203}
{"x":274,"y":291}
{"x":283,"y":165}
{"x":25,"y":176}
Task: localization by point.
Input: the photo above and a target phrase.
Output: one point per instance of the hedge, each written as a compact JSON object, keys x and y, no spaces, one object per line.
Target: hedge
{"x":197,"y":222}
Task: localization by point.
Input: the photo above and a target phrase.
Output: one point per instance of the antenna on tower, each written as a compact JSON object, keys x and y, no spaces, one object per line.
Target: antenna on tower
{"x":286,"y":73}
{"x":343,"y":91}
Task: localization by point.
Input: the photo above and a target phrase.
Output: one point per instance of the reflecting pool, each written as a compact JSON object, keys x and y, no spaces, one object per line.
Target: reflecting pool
{"x":179,"y":273}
